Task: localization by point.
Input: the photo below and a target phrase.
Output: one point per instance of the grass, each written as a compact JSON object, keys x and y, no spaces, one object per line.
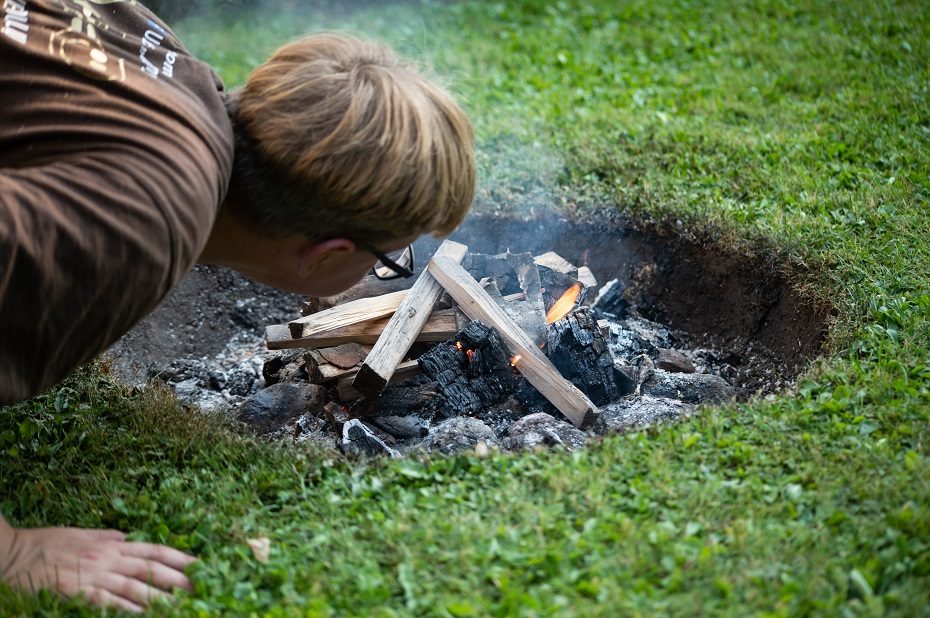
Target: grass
{"x":804,"y":125}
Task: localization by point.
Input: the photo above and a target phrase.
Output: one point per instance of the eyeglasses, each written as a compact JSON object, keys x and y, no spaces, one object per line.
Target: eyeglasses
{"x":393,"y":265}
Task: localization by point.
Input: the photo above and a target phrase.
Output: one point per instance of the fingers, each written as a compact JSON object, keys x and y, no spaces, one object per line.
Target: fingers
{"x":129,"y":588}
{"x":101,"y":597}
{"x":159,"y":553}
{"x":152,"y":572}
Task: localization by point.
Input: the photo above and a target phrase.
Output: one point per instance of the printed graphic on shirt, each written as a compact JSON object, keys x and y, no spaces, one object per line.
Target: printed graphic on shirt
{"x":80,"y":46}
{"x":152,"y":41}
{"x":15,"y":21}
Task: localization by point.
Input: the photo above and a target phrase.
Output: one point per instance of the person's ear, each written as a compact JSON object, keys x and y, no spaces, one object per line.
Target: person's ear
{"x":312,"y":254}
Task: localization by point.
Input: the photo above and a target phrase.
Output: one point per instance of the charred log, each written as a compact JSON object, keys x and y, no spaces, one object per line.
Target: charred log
{"x":472,"y":373}
{"x":420,"y":397}
{"x":579,"y":350}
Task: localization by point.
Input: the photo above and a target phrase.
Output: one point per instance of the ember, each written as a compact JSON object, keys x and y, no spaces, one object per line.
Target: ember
{"x":565,"y":304}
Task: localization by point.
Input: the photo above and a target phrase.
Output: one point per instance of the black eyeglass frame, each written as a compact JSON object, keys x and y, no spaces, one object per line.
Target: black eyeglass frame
{"x":399,"y":271}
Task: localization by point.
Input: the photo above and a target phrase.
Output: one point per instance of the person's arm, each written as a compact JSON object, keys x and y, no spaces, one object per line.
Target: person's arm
{"x":7,"y":540}
{"x":99,"y":564}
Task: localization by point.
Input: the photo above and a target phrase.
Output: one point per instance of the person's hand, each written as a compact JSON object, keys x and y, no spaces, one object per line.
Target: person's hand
{"x":100,"y":564}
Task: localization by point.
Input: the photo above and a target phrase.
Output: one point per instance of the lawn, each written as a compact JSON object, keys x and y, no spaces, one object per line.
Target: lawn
{"x":804,"y":126}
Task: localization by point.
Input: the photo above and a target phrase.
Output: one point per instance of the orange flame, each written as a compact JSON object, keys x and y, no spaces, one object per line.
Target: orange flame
{"x":515,"y":360}
{"x":565,"y":304}
{"x":459,"y":346}
{"x":471,"y":355}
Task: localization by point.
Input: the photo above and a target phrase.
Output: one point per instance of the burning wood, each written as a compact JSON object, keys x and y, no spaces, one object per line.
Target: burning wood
{"x":538,"y":370}
{"x":579,"y":349}
{"x":565,"y":304}
{"x":466,"y":377}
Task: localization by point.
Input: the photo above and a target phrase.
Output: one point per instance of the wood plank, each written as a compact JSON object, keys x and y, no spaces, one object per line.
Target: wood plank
{"x":322,"y":371}
{"x":404,"y":326}
{"x":532,"y":363}
{"x":348,"y":313}
{"x":441,"y":325}
{"x":403,"y":372}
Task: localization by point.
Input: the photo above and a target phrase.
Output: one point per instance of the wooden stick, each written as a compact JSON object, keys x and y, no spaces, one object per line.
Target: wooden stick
{"x":404,"y":326}
{"x":322,"y":371}
{"x":351,"y":312}
{"x":441,"y":326}
{"x":403,"y":372}
{"x":532,"y":363}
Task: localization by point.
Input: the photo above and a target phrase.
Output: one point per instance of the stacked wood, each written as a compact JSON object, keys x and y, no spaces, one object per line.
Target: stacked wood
{"x":404,"y":327}
{"x":441,"y":325}
{"x":465,"y":375}
{"x":532,"y":363}
{"x":353,"y":312}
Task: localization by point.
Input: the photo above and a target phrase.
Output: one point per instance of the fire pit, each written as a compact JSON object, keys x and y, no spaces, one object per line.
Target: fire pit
{"x":576,"y":331}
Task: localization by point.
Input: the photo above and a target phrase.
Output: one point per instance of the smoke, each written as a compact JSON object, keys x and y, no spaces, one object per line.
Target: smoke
{"x":518,"y":174}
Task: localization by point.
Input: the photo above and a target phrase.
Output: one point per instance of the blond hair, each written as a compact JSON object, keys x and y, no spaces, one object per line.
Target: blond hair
{"x":337,"y":137}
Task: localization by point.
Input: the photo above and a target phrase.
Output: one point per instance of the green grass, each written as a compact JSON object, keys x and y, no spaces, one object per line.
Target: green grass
{"x":802,"y":125}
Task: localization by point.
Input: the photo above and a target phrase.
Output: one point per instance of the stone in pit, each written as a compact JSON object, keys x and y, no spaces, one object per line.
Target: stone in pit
{"x":542,"y":430}
{"x":674,"y":361}
{"x":458,"y":434}
{"x":277,"y":405}
{"x":634,"y":413}
{"x":689,"y":387}
{"x":359,"y":439}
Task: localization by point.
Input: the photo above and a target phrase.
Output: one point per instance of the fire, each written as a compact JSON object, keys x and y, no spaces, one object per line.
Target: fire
{"x":565,"y":304}
{"x":470,"y":354}
{"x":459,"y":346}
{"x":515,"y":360}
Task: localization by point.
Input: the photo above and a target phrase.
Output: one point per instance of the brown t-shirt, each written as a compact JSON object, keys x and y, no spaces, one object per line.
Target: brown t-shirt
{"x":115,"y":154}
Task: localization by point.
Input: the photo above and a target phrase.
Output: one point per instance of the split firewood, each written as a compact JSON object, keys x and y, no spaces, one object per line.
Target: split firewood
{"x":321,"y":368}
{"x":403,"y":328}
{"x":403,"y":372}
{"x":556,"y":262}
{"x":529,"y":359}
{"x":353,"y":312}
{"x":441,"y":325}
{"x":586,"y":277}
{"x":366,"y":288}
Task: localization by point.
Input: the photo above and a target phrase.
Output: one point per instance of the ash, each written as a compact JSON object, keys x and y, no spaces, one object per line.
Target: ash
{"x":636,"y":371}
{"x":221,"y":381}
{"x":469,"y":398}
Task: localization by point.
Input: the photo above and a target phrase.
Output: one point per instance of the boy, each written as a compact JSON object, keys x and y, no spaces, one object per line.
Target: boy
{"x":123,"y":161}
